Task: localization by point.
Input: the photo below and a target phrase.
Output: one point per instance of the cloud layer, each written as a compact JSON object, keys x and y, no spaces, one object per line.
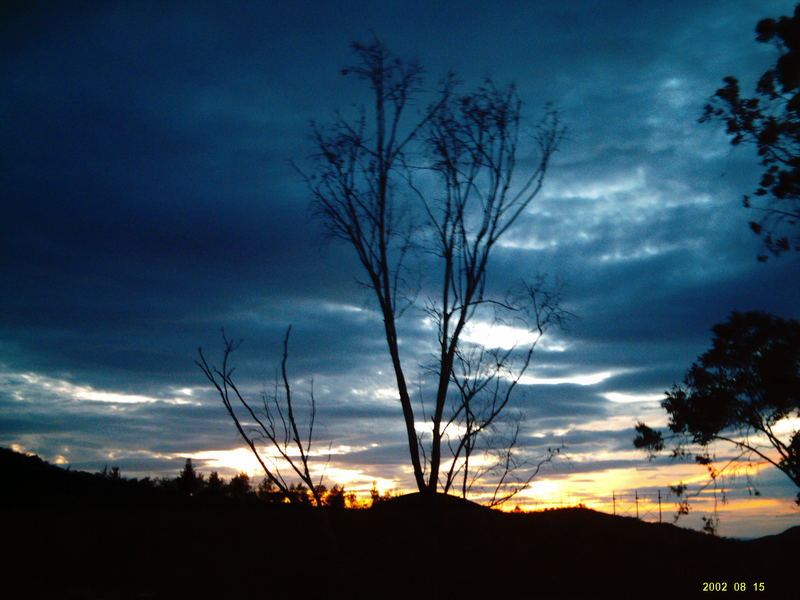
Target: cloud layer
{"x":151,"y":201}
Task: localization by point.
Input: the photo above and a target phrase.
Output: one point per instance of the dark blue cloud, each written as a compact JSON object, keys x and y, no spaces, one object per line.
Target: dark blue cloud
{"x":150,"y":200}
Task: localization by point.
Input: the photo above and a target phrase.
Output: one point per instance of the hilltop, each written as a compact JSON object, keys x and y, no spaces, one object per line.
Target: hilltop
{"x":91,"y":537}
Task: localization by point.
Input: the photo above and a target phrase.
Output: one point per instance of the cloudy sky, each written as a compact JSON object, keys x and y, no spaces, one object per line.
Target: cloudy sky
{"x":149,"y":201}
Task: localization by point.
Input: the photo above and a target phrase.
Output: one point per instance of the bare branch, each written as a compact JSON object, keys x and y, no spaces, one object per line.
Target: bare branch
{"x":281,"y":438}
{"x":466,"y":146}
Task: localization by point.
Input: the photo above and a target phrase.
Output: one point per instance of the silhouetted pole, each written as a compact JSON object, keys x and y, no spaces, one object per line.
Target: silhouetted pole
{"x":614,"y":502}
{"x":659,"y":506}
{"x":637,"y":503}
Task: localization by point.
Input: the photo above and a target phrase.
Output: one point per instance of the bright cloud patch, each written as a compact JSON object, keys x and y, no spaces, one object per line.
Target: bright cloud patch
{"x":243,"y":460}
{"x":599,"y":189}
{"x":24,"y":385}
{"x":621,"y":398}
{"x":357,"y":480}
{"x":498,"y":336}
{"x":584,"y":379}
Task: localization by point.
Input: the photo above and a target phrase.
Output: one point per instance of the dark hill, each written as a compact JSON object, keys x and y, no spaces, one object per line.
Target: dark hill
{"x":30,"y":481}
{"x":424,"y":502}
{"x":410,"y":547}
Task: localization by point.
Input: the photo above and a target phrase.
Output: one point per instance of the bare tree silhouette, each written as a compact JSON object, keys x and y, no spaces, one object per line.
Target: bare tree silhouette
{"x":459,"y":158}
{"x":275,"y":422}
{"x":486,"y":379}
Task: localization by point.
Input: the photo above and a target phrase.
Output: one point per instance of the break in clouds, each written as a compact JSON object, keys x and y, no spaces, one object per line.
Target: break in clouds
{"x":151,"y":201}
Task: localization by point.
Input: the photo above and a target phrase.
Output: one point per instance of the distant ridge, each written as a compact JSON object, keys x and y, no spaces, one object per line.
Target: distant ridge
{"x":30,"y":481}
{"x":83,"y":535}
{"x":418,"y":501}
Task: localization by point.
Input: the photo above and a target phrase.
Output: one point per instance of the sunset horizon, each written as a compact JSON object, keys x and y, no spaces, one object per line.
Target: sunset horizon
{"x":481,"y":249}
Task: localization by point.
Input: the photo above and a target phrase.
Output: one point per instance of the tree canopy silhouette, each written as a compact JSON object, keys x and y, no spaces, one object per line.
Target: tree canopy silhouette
{"x":740,"y":392}
{"x":189,"y":481}
{"x":435,"y":176}
{"x":771,"y":121}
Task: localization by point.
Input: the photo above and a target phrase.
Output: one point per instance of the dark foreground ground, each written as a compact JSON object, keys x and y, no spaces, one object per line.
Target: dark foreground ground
{"x":64,"y":548}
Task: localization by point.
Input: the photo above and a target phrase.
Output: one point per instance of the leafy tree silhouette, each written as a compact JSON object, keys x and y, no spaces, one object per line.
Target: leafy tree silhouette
{"x":215,"y":482}
{"x":189,"y":481}
{"x":741,"y":392}
{"x":376,"y":497}
{"x":335,"y":498}
{"x":771,"y":122}
{"x":112,"y":473}
{"x":239,"y":486}
{"x":267,"y":491}
{"x":299,"y":493}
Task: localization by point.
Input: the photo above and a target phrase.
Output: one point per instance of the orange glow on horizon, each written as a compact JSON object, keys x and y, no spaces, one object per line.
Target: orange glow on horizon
{"x":611,"y":491}
{"x":242,"y":460}
{"x":575,"y":488}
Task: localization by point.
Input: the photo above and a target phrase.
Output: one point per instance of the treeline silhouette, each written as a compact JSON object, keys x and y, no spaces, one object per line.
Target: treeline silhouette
{"x":31,"y":481}
{"x":241,"y":488}
{"x":100,"y":535}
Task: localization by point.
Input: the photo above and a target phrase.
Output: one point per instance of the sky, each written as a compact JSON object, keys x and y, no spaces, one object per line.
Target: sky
{"x":150,"y":200}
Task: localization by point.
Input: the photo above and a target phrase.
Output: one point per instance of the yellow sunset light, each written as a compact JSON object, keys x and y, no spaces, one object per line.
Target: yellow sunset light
{"x":240,"y":460}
